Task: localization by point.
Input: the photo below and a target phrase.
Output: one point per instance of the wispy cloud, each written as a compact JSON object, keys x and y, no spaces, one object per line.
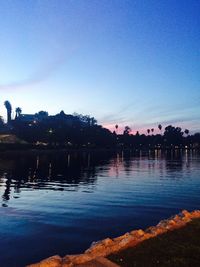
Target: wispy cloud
{"x":37,"y":77}
{"x":47,"y":70}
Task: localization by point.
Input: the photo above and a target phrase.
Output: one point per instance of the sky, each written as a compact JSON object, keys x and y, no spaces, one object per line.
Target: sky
{"x":125,"y":62}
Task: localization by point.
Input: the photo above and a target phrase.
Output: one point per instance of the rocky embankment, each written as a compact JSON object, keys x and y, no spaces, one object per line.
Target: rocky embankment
{"x":107,"y":246}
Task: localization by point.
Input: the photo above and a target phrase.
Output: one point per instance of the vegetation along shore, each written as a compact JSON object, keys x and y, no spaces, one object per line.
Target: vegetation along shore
{"x":77,"y":131}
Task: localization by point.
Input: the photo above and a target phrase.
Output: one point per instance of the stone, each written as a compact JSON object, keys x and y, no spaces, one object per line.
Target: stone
{"x":177,"y":219}
{"x":140,"y":232}
{"x":186,"y":214}
{"x":125,"y":241}
{"x":101,"y":245}
{"x":151,"y":230}
{"x":79,"y":259}
{"x":195,"y":214}
{"x":54,"y":261}
{"x":119,"y":238}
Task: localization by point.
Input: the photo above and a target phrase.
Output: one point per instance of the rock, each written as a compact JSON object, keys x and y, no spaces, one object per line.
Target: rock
{"x":151,"y":230}
{"x":195,"y":214}
{"x":126,"y":241}
{"x":107,"y":242}
{"x":177,"y":219}
{"x":101,"y":245}
{"x":119,"y":238}
{"x":78,"y":259}
{"x":55,"y":261}
{"x":154,"y":230}
{"x":66,"y":262}
{"x":140,"y":232}
{"x":171,"y":223}
{"x":186,"y":214}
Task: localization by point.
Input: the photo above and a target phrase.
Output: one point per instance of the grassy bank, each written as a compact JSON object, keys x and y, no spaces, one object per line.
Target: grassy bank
{"x":178,"y":248}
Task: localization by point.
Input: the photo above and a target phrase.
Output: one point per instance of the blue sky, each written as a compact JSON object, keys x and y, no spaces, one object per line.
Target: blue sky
{"x":130,"y":62}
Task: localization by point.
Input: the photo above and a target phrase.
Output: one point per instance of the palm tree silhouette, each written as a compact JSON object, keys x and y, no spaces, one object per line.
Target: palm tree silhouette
{"x":116,"y":127}
{"x":9,"y":110}
{"x":18,"y":112}
{"x":160,"y":128}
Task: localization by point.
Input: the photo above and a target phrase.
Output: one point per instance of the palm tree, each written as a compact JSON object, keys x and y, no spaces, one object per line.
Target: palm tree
{"x":9,"y":110}
{"x":116,"y":127}
{"x":18,"y":112}
{"x":148,"y":131}
{"x":160,"y":127}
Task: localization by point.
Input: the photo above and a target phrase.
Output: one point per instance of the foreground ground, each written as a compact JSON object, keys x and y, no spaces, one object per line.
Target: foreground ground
{"x":178,"y":248}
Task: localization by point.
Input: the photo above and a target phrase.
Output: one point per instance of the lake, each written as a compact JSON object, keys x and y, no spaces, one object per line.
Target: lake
{"x":59,"y":203}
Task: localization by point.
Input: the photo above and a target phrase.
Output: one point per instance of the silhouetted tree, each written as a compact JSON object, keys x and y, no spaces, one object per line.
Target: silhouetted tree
{"x":152,"y":130}
{"x":93,"y":121}
{"x":18,"y":112}
{"x":9,"y":110}
{"x":127,"y":130}
{"x":148,"y":131}
{"x":173,"y":135}
{"x":116,"y":127}
{"x":186,"y":132}
{"x":160,"y":127}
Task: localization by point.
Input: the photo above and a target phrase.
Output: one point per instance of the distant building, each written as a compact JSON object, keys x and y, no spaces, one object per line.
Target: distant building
{"x":63,"y":118}
{"x":32,"y":118}
{"x":27,"y":118}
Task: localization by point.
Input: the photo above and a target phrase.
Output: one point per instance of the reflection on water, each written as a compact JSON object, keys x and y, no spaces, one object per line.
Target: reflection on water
{"x":60,"y":203}
{"x":52,"y":172}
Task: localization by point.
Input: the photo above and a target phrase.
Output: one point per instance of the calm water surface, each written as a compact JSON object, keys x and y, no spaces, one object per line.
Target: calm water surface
{"x":60,"y":203}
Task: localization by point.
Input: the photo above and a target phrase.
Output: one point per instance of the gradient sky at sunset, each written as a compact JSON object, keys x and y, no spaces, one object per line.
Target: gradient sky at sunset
{"x":130,"y":62}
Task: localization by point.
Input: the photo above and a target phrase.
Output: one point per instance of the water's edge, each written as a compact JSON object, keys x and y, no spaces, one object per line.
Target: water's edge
{"x":107,"y":246}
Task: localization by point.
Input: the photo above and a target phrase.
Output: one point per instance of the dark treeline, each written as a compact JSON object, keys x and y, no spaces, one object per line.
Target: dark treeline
{"x":78,"y":131}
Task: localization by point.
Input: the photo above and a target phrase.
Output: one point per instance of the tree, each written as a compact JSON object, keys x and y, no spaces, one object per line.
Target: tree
{"x":186,"y":132}
{"x":152,"y":130}
{"x":127,"y":130}
{"x":18,"y":112}
{"x":88,"y":120}
{"x":173,"y":135}
{"x":148,"y":131}
{"x":93,"y":121}
{"x":9,"y":110}
{"x":116,"y":127}
{"x":160,"y":127}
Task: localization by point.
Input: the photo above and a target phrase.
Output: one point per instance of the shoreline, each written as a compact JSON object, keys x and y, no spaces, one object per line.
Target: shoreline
{"x":104,"y":248}
{"x":48,"y":150}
